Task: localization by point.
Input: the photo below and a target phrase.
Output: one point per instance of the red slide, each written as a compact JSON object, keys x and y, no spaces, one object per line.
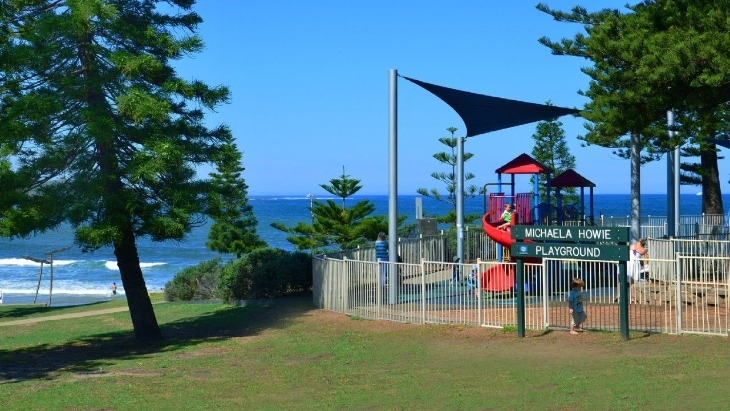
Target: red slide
{"x":500,"y":277}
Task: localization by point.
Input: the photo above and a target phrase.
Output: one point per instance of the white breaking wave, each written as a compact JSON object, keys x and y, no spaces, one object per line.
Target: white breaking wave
{"x":22,"y":262}
{"x":112,"y":265}
{"x":44,"y":291}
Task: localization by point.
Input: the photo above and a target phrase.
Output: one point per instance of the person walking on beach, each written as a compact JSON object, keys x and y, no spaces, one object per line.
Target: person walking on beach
{"x":381,"y":255}
{"x":575,"y":306}
{"x":114,"y":288}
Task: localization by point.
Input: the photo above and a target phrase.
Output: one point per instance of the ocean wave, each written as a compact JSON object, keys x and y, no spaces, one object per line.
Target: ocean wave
{"x":28,"y":263}
{"x":112,"y":265}
{"x":42,"y":293}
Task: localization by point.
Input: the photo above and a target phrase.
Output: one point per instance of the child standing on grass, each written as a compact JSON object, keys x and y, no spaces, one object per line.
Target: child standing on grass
{"x":575,"y":304}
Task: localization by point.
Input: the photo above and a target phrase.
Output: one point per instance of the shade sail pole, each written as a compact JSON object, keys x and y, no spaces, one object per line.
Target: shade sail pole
{"x":392,"y":180}
{"x":460,"y":200}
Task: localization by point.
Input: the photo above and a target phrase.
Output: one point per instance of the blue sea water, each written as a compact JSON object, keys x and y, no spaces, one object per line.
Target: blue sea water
{"x":86,"y":277}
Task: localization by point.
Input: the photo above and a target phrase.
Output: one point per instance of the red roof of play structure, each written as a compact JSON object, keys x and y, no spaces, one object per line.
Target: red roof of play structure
{"x":524,"y":164}
{"x":570,"y":178}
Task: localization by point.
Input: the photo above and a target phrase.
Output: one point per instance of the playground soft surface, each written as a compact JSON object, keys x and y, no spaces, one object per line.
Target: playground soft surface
{"x":290,"y":356}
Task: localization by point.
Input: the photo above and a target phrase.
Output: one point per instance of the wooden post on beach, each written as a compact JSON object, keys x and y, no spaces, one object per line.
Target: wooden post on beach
{"x":38,"y":286}
{"x":40,"y":274}
{"x":50,"y":257}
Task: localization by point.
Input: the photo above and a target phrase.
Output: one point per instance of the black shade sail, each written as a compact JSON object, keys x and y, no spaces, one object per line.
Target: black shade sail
{"x":483,"y":114}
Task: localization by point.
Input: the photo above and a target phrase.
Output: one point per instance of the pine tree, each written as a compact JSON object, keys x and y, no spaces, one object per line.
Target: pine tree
{"x":103,"y":133}
{"x":659,"y":56}
{"x":234,"y":227}
{"x":552,"y":150}
{"x":335,"y":225}
{"x":449,"y":180}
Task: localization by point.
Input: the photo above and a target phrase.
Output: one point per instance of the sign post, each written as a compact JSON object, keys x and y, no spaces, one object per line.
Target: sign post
{"x":574,"y":243}
{"x":520,"y":279}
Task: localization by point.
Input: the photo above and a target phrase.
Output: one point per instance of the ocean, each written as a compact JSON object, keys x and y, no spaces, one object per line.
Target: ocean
{"x":80,"y":278}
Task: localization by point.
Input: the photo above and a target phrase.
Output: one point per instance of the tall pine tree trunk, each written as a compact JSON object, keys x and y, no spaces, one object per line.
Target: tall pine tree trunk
{"x":711,"y":194}
{"x":113,"y":197}
{"x":138,"y":300}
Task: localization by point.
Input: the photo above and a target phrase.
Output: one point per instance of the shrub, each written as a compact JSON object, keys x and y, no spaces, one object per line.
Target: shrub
{"x":194,"y":283}
{"x":232,"y":281}
{"x":265,"y":273}
{"x":300,"y":279}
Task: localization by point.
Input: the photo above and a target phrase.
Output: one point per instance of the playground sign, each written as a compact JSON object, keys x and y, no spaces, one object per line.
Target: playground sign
{"x":572,"y":251}
{"x":575,"y":243}
{"x":571,"y":234}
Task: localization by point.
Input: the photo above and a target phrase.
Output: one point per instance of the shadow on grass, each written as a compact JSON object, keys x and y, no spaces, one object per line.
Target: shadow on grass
{"x":92,"y":353}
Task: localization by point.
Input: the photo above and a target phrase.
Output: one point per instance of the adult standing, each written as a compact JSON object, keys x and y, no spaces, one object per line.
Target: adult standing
{"x":381,"y":255}
{"x":637,"y":253}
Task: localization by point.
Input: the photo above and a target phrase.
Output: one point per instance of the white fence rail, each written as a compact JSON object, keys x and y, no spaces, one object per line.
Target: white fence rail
{"x":685,"y":289}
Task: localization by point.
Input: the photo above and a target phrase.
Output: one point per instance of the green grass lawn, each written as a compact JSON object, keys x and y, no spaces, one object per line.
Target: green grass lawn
{"x":290,"y":356}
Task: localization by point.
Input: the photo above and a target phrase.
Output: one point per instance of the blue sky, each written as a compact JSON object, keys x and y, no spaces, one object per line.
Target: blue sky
{"x":309,"y":85}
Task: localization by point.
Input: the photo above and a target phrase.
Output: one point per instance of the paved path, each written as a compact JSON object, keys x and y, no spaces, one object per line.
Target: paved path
{"x":63,"y":316}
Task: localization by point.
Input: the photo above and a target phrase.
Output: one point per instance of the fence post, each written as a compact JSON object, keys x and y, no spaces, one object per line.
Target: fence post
{"x":345,"y":288}
{"x":480,"y":314}
{"x":545,"y":293}
{"x":520,"y":290}
{"x":679,"y":292}
{"x":420,"y":246}
{"x":466,"y":247}
{"x":423,"y":291}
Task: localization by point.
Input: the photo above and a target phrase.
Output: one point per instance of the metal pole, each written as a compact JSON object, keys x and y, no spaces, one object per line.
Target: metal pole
{"x":671,"y":173}
{"x":676,"y":190}
{"x":392,"y":177}
{"x":460,"y":200}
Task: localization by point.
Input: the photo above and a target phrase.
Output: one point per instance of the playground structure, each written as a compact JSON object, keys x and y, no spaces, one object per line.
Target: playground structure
{"x":347,"y":281}
{"x":501,"y":278}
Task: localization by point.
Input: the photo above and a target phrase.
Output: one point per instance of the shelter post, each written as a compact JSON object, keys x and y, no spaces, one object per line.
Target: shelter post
{"x":392,"y":178}
{"x":460,"y":201}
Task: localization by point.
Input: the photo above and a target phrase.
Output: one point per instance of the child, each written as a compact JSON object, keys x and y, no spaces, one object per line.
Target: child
{"x":471,"y":281}
{"x":575,"y":304}
{"x":506,"y":217}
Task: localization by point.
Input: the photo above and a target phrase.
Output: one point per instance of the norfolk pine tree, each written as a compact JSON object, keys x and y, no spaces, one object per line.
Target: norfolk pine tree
{"x":449,"y":180}
{"x":336,"y":225}
{"x":234,"y":223}
{"x":662,"y":55}
{"x":103,"y":133}
{"x":552,"y":150}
